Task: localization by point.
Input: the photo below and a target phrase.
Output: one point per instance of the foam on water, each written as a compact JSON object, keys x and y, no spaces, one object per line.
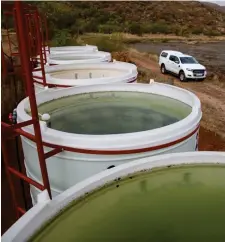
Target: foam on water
{"x":176,"y":204}
{"x":113,"y":112}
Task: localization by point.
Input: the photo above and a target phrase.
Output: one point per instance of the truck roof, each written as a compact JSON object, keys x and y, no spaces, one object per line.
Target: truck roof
{"x":177,"y":53}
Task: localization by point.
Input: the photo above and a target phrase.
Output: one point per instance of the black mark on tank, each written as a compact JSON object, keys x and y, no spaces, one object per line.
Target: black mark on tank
{"x":110,"y":167}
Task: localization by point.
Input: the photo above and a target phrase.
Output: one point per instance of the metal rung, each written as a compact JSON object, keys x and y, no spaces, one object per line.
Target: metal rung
{"x":38,"y":69}
{"x":15,"y":54}
{"x":53,"y":152}
{"x":38,"y":77}
{"x":25,"y":178}
{"x":15,"y":127}
{"x":25,"y":134}
{"x":21,"y":210}
{"x":23,"y":124}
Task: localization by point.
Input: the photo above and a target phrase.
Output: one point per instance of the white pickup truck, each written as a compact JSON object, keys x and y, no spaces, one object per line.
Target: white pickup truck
{"x":184,"y":66}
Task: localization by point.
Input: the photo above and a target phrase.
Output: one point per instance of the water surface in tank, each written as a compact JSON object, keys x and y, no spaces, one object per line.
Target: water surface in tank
{"x":176,"y":204}
{"x":113,"y":112}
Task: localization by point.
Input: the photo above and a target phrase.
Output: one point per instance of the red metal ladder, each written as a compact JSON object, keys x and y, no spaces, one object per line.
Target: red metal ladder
{"x":37,"y":44}
{"x":43,"y":48}
{"x":20,"y":11}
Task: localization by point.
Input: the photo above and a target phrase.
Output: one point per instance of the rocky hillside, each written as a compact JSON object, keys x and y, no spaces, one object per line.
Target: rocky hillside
{"x":180,"y":18}
{"x":216,"y":6}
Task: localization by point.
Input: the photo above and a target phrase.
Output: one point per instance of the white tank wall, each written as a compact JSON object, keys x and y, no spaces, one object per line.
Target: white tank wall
{"x":45,"y":209}
{"x":69,"y":50}
{"x":68,"y":168}
{"x":87,"y":74}
{"x":77,"y":58}
{"x":73,"y":49}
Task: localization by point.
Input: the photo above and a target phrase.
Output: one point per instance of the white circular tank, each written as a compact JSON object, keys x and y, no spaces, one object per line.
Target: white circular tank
{"x":108,"y":125}
{"x":204,"y":177}
{"x":73,"y":49}
{"x":78,"y":58}
{"x":61,"y":76}
{"x":70,"y":49}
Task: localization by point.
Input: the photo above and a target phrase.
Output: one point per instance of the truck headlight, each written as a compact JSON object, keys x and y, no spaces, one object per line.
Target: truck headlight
{"x":188,"y":69}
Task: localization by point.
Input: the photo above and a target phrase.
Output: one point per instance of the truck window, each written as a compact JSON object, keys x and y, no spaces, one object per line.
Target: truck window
{"x":164,"y":54}
{"x":172,"y":58}
{"x":176,"y":59}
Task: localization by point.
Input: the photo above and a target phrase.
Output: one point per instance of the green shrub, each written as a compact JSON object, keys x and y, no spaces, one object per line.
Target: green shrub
{"x":90,"y":27}
{"x":156,"y":28}
{"x":197,"y":30}
{"x":183,"y":32}
{"x":135,"y":28}
{"x":212,"y":33}
{"x":61,"y":38}
{"x":108,"y":29}
{"x":159,"y":28}
{"x":109,"y":44}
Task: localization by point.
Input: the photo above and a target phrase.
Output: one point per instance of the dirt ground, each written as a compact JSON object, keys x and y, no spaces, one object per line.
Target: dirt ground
{"x":212,"y":132}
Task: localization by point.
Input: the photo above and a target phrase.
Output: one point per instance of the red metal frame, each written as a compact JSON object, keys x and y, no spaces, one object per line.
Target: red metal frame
{"x":36,"y":26}
{"x":31,"y":42}
{"x":112,"y":152}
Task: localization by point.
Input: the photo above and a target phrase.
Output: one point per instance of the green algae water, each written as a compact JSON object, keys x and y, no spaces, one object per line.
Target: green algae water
{"x":176,"y":204}
{"x":113,"y":112}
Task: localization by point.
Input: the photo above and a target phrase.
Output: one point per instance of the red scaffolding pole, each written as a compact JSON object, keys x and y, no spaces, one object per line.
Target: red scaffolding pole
{"x":31,"y":42}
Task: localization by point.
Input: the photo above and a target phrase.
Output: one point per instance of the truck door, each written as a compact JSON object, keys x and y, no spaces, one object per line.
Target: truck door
{"x":176,"y":65}
{"x":171,"y":63}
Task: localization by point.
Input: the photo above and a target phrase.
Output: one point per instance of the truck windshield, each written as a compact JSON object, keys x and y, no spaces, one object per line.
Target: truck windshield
{"x":188,"y":60}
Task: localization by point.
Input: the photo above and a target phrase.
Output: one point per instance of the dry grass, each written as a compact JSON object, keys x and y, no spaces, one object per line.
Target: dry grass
{"x":129,"y":38}
{"x":122,"y":56}
{"x":150,"y":56}
{"x":216,"y":77}
{"x":144,"y":74}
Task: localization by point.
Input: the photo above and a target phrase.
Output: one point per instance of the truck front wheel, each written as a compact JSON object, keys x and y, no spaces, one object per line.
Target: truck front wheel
{"x":182,"y":76}
{"x":163,"y":69}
